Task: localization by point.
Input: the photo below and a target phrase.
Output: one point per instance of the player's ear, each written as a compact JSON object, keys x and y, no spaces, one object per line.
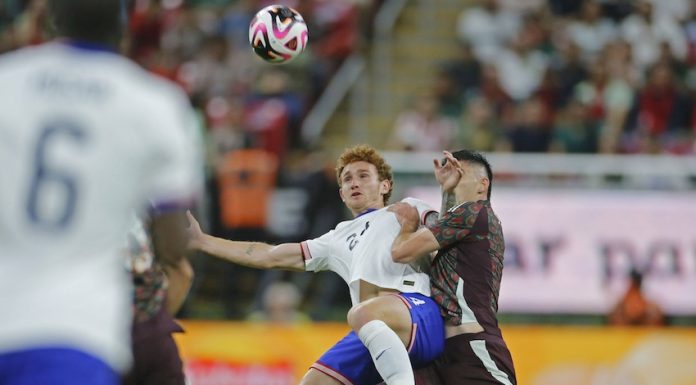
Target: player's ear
{"x":483,"y":186}
{"x":384,"y":186}
{"x":340,"y":192}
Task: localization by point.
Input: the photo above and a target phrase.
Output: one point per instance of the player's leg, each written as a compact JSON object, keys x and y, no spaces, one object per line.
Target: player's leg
{"x":55,"y":366}
{"x":315,"y":377}
{"x":384,"y":326}
{"x":346,"y":363}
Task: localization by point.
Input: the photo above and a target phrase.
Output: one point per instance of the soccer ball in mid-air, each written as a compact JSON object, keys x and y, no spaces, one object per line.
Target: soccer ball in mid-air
{"x":278,"y":34}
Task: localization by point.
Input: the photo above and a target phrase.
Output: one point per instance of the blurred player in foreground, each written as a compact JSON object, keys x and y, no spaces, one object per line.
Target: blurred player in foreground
{"x":392,"y":314}
{"x":86,"y":138}
{"x":160,"y":289}
{"x":466,"y":272}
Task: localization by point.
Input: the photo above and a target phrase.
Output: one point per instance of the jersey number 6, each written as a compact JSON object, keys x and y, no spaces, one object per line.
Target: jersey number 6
{"x":46,"y":176}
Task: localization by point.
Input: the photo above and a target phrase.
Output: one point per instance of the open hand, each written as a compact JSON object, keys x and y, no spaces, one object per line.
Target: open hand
{"x":407,"y":216}
{"x":449,"y":172}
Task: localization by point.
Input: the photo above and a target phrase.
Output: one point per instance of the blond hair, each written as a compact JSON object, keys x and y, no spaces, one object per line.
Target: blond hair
{"x":367,"y":154}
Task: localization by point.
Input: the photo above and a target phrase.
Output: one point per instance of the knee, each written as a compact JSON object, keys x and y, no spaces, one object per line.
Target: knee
{"x":359,"y":315}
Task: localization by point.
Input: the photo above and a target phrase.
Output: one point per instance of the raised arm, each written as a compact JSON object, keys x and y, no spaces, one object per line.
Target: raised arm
{"x":260,"y":255}
{"x":411,"y":243}
{"x":448,"y":172}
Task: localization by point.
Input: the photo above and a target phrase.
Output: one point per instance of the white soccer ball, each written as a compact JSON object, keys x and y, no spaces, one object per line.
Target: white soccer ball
{"x":278,"y":34}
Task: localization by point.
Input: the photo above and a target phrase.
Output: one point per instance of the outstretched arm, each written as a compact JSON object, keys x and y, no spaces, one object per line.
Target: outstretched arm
{"x":252,"y":254}
{"x":411,"y":243}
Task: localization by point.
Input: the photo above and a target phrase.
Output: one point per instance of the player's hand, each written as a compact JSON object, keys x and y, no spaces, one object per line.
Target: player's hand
{"x":449,"y":172}
{"x":407,"y":216}
{"x":194,"y":232}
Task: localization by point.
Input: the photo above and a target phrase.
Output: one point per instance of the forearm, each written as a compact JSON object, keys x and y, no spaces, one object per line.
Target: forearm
{"x":409,"y":246}
{"x":253,"y":254}
{"x":180,"y":279}
{"x":448,"y":201}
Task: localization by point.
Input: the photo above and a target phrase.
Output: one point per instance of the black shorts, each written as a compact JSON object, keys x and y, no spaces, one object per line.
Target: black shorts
{"x":476,"y":359}
{"x":156,"y":359}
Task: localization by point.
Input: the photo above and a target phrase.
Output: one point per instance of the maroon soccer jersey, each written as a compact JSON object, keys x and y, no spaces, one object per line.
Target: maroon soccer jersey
{"x":465,"y":274}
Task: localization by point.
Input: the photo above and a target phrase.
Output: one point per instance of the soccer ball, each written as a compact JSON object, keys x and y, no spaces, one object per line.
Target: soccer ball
{"x":278,"y":34}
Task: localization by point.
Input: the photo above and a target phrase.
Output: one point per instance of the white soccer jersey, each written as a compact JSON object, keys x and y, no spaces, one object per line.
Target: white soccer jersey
{"x":86,"y":137}
{"x":360,"y":249}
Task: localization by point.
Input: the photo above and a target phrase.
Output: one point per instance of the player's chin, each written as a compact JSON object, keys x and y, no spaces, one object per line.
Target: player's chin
{"x":355,"y":203}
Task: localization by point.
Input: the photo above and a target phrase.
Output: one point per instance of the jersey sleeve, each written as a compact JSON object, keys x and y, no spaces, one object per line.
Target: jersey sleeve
{"x":456,"y":224}
{"x":423,"y":208}
{"x":176,"y":177}
{"x":317,"y":252}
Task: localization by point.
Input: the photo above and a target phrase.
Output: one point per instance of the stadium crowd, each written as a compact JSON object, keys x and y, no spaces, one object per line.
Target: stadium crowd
{"x":592,"y":76}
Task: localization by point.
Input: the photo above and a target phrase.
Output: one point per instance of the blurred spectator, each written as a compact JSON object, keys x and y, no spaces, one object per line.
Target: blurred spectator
{"x":493,"y":91}
{"x":522,"y":6}
{"x":281,"y":301}
{"x":422,"y":128}
{"x":634,"y":309}
{"x":447,"y":93}
{"x":146,"y":28}
{"x":234,"y":25}
{"x":591,"y":32}
{"x":573,"y":132}
{"x":675,"y":9}
{"x":645,"y":30}
{"x":565,"y":7}
{"x":617,"y":59}
{"x":522,"y":66}
{"x":226,"y":129}
{"x":478,"y":129}
{"x":487,"y":28}
{"x":662,"y":115}
{"x":608,"y":101}
{"x":570,"y":71}
{"x":184,"y":37}
{"x":464,"y":71}
{"x":273,"y":113}
{"x":528,"y":133}
{"x":210,"y":72}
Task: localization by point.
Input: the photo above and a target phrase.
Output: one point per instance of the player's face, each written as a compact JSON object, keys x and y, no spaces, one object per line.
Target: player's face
{"x":361,"y":188}
{"x":473,"y":184}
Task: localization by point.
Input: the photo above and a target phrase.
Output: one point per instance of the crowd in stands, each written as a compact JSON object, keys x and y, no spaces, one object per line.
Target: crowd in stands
{"x":591,"y":76}
{"x":612,"y":76}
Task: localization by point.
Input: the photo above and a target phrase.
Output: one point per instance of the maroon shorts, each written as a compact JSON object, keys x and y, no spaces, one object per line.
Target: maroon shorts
{"x":470,"y":359}
{"x":476,"y":359}
{"x":156,"y":359}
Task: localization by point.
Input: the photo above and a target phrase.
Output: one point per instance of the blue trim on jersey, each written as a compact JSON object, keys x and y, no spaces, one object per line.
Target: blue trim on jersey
{"x":365,"y":212}
{"x":55,"y":366}
{"x":350,"y":357}
{"x":165,"y":207}
{"x":89,"y":47}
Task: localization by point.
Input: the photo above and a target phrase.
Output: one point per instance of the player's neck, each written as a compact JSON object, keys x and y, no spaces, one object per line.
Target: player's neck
{"x":462,"y":197}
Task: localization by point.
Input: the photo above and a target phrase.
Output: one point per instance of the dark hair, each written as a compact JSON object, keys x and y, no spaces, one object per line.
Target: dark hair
{"x":93,"y":21}
{"x":367,"y":154}
{"x":476,"y":158}
{"x":636,"y":276}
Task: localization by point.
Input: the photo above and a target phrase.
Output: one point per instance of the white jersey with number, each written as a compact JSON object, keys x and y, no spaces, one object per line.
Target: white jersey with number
{"x":86,"y":137}
{"x":360,"y":249}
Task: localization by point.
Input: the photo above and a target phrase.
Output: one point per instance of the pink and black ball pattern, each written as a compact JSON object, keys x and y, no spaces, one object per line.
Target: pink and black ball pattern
{"x":278,"y":34}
